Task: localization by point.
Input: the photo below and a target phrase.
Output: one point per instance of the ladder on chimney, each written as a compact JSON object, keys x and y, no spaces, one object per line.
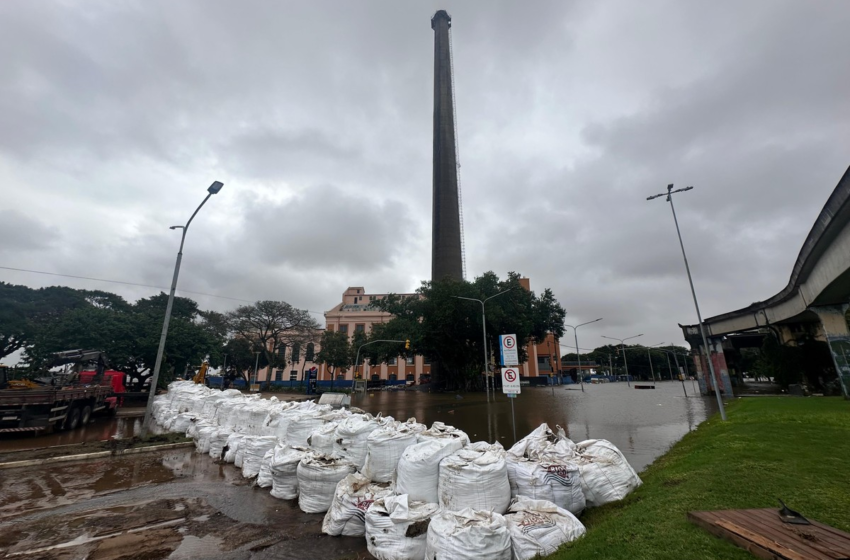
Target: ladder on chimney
{"x":457,"y":158}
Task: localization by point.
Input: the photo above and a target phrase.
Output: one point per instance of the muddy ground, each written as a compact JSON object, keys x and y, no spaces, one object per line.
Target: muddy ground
{"x":170,"y":504}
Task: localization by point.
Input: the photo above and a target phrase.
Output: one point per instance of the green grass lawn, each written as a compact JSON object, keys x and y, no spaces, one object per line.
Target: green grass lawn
{"x":797,"y":449}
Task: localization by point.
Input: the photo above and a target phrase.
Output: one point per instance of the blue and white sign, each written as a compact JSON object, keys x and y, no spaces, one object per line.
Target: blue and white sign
{"x":508,"y":350}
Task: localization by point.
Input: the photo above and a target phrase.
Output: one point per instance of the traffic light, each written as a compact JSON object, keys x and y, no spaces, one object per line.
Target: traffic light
{"x":407,"y":344}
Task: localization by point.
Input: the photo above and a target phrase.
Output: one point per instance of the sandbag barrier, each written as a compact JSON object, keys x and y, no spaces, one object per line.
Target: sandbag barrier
{"x":413,"y":492}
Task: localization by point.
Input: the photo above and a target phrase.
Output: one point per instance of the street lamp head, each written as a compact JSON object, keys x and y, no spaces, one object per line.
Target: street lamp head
{"x":215,"y":187}
{"x":176,"y":227}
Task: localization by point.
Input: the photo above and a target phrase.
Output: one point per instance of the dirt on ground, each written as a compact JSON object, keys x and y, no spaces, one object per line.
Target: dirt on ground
{"x":113,"y":445}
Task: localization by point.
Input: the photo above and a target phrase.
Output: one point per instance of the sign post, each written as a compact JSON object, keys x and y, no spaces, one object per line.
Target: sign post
{"x":508,"y":350}
{"x":511,"y":387}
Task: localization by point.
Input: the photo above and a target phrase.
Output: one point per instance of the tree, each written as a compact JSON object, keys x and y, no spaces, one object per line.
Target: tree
{"x":241,"y":358}
{"x":24,"y":311}
{"x":335,"y":352}
{"x":268,"y":325}
{"x":449,"y":330}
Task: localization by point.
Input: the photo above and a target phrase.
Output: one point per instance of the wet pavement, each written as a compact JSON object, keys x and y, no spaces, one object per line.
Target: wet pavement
{"x":99,"y":429}
{"x":178,"y":504}
{"x":170,"y":504}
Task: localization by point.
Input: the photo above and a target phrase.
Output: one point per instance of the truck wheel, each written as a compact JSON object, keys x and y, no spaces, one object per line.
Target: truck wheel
{"x":86,"y":415}
{"x":73,"y":419}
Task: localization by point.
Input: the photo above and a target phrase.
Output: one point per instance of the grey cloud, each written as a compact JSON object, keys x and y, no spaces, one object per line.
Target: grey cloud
{"x":20,"y":233}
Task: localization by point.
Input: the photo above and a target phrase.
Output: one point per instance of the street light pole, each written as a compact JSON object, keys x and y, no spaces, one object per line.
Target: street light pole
{"x":256,"y":368}
{"x":714,"y":383}
{"x":578,"y":352}
{"x":649,"y":357}
{"x":484,"y":327}
{"x":211,"y":190}
{"x":623,"y":349}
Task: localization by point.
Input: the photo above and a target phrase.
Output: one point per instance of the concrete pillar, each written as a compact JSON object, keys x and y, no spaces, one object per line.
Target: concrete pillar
{"x":834,"y":323}
{"x":721,"y":370}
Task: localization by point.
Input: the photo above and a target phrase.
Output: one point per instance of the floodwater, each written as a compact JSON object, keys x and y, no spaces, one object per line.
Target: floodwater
{"x":99,"y":429}
{"x":179,"y":504}
{"x":642,"y":423}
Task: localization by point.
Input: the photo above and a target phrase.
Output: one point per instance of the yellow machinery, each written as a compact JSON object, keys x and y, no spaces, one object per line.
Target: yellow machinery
{"x":201,"y":376}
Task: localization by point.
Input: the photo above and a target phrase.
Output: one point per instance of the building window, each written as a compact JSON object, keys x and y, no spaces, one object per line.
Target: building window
{"x":427,"y":360}
{"x":296,"y":353}
{"x":409,"y":360}
{"x":311,"y":352}
{"x":360,"y":327}
{"x":293,"y":375}
{"x":371,"y":298}
{"x":410,"y":377}
{"x":376,"y":377}
{"x":392,"y":361}
{"x":393,"y":377}
{"x":343,"y":328}
{"x":278,"y":375}
{"x":330,"y":328}
{"x":543,"y":363}
{"x":281,"y":350}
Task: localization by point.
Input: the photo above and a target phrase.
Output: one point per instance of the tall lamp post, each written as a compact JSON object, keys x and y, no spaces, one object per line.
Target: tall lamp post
{"x":669,"y":194}
{"x":578,"y":352}
{"x":484,"y":325}
{"x":649,"y":357}
{"x":623,"y":348}
{"x":213,"y":189}
{"x":668,"y":352}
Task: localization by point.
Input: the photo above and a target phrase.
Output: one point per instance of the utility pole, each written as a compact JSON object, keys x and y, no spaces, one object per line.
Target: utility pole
{"x":714,"y":382}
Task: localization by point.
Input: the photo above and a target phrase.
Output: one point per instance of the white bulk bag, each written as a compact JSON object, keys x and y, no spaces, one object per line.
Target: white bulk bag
{"x":218,"y":441}
{"x":417,"y":474}
{"x":353,"y":496}
{"x":384,"y":447}
{"x":232,"y":446}
{"x":202,"y":440}
{"x":322,"y":439}
{"x":468,"y":535}
{"x":264,"y":477}
{"x":539,"y":527}
{"x":554,"y":478}
{"x":541,"y":440}
{"x":606,"y":475}
{"x":284,"y":471}
{"x":351,"y":436}
{"x":475,"y":477}
{"x":255,"y":448}
{"x":440,"y":430}
{"x":318,"y":476}
{"x":396,"y":529}
{"x":302,"y":427}
{"x":181,"y":422}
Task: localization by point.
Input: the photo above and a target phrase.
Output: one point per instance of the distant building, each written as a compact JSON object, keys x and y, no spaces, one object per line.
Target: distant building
{"x":356,"y":312}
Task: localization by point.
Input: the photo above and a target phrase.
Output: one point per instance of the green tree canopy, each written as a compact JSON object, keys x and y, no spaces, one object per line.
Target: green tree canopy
{"x":448,"y":329}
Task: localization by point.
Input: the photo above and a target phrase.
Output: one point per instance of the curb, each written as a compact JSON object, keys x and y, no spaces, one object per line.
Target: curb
{"x":96,"y":455}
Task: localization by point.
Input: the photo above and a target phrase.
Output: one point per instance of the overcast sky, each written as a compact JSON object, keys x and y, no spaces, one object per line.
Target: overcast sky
{"x":316,"y":116}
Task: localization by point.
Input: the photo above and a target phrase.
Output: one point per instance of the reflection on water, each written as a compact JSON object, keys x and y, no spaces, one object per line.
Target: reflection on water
{"x":99,"y":429}
{"x":642,"y":423}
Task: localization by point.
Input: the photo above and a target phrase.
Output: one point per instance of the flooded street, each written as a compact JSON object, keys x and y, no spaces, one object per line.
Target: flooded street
{"x":179,"y":504}
{"x":642,"y":423}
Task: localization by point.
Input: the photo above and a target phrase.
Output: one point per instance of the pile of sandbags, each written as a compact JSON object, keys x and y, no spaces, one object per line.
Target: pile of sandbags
{"x":318,"y":476}
{"x":417,"y":474}
{"x":232,"y":446}
{"x":284,"y":471}
{"x":468,"y":535}
{"x":475,"y":477}
{"x":539,"y":527}
{"x":322,"y":439}
{"x":606,"y":475}
{"x":397,"y":529}
{"x":218,"y":441}
{"x":384,"y":447}
{"x":353,"y":496}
